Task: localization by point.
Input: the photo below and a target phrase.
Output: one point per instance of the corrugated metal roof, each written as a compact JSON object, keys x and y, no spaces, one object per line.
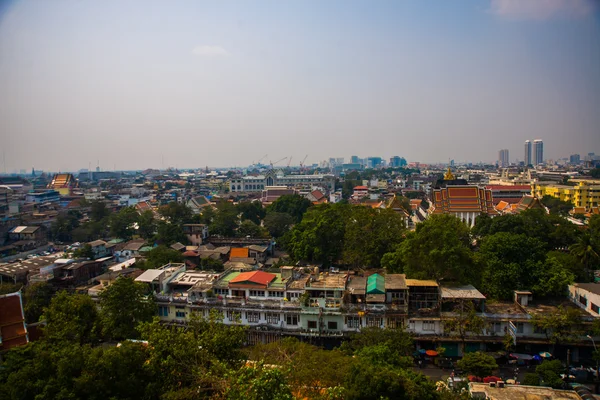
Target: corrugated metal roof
{"x":375,"y":284}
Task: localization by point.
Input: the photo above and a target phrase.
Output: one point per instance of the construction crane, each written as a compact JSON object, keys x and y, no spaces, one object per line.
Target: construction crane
{"x":290,"y":161}
{"x":262,"y":158}
{"x":302,"y":162}
{"x":278,"y":161}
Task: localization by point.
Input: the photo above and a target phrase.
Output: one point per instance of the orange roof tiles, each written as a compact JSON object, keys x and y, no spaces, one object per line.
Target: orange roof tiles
{"x":239,"y":252}
{"x":256,"y":277}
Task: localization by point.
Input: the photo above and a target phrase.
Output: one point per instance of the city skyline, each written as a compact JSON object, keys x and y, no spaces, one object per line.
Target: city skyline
{"x":187,"y":84}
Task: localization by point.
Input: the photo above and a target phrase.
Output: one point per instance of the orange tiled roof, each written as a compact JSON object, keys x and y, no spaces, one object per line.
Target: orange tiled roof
{"x":257,"y":277}
{"x":239,"y":252}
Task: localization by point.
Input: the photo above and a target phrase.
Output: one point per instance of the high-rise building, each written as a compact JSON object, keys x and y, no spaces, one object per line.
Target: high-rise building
{"x":574,"y":159}
{"x":354,"y":160}
{"x":503,"y":158}
{"x":397,"y":161}
{"x":538,"y":152}
{"x":527,"y":158}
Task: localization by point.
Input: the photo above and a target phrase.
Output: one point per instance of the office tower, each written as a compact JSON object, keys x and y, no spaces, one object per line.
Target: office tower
{"x":354,"y":160}
{"x":538,"y":152}
{"x":574,"y":159}
{"x":527,"y":158}
{"x":397,"y":161}
{"x":503,"y":158}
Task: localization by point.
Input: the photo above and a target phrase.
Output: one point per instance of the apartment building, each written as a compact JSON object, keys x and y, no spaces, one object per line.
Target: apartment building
{"x":304,"y":302}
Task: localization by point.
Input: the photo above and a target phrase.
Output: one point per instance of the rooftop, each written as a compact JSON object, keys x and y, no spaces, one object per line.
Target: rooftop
{"x":420,"y":282}
{"x":329,"y":281}
{"x":590,"y":287}
{"x":522,"y":392}
{"x":395,"y":282}
{"x":461,"y":292}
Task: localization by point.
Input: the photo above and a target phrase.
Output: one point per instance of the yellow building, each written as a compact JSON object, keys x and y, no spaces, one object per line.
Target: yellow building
{"x":583,"y":194}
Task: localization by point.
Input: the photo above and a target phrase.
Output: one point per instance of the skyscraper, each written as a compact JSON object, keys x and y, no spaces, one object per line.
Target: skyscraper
{"x":527,"y":158}
{"x":538,"y":152}
{"x":503,"y":158}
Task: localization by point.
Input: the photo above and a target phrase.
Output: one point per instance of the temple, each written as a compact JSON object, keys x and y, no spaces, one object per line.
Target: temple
{"x":464,"y":201}
{"x":63,"y":184}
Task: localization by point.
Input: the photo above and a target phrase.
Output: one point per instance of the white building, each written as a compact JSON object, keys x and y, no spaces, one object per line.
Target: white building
{"x":277,"y":178}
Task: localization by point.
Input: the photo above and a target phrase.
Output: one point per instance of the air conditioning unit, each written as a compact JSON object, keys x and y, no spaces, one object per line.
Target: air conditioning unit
{"x":492,"y":384}
{"x":500,"y":384}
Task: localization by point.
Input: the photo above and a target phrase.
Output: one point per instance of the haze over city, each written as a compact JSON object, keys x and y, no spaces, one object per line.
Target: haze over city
{"x":142,"y":84}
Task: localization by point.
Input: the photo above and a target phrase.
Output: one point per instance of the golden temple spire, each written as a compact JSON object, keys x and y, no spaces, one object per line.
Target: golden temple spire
{"x":449,"y":176}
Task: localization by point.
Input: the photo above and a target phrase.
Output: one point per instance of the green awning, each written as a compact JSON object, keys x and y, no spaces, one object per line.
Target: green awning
{"x":376,"y":284}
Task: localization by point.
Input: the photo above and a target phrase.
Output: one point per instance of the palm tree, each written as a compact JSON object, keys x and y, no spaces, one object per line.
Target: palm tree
{"x":586,"y":250}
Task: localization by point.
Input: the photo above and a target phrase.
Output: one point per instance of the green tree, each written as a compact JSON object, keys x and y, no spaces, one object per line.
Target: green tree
{"x":439,"y":249}
{"x":320,"y":235}
{"x":249,"y":229}
{"x":168,"y":233}
{"x":146,"y":225}
{"x":115,"y":373}
{"x":257,"y":383}
{"x":464,"y":322}
{"x":292,"y":204}
{"x":478,"y":364}
{"x":396,"y":343}
{"x":557,"y":206}
{"x":84,"y":251}
{"x":251,"y":210}
{"x":553,"y":278}
{"x":509,"y":262}
{"x":225,"y":221}
{"x":278,"y":224}
{"x":98,"y":210}
{"x":8,"y":287}
{"x":36,"y":297}
{"x":370,"y":234}
{"x":123,"y":305}
{"x":62,"y":228}
{"x":550,"y":372}
{"x":71,"y":318}
{"x":176,"y":213}
{"x":162,"y":255}
{"x":587,"y":251}
{"x":561,"y":326}
{"x":122,"y":223}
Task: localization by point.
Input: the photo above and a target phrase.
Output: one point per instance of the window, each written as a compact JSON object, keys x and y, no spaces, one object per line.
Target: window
{"x":221,"y":291}
{"x":234,"y":316}
{"x":329,"y":293}
{"x":583,"y":300}
{"x":538,"y":330}
{"x":275,"y":294}
{"x":257,"y":293}
{"x":519,"y":327}
{"x":180,"y":314}
{"x":293,"y":295}
{"x":163,"y":311}
{"x":291,"y":320}
{"x":595,"y":308}
{"x":395,"y":322}
{"x":374,"y":321}
{"x":253,"y":317}
{"x":332,"y":303}
{"x":272,"y":318}
{"x":312,"y":324}
{"x":429,"y":326}
{"x":495,"y":327}
{"x":353,"y":322}
{"x":332,"y":325}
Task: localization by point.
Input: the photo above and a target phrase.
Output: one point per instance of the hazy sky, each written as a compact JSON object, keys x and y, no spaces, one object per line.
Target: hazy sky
{"x":195,"y":83}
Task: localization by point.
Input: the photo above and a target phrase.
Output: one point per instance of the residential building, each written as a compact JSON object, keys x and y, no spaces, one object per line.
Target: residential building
{"x":28,"y":236}
{"x":527,"y":159}
{"x":196,"y":234}
{"x":277,"y":178}
{"x":586,"y":296}
{"x":198,"y":203}
{"x":586,"y":193}
{"x":46,"y":196}
{"x":99,"y":249}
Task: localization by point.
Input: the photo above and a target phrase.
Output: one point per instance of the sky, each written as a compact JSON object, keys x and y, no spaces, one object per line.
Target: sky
{"x":142,"y":83}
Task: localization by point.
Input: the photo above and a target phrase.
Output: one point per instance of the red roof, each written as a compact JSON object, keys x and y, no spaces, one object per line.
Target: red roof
{"x":508,"y":187}
{"x":190,"y":253}
{"x":239,"y":252}
{"x":361,"y":188}
{"x":258,"y":277}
